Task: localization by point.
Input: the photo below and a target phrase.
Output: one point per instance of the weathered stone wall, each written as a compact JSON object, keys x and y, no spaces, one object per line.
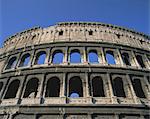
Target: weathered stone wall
{"x":67,"y":37}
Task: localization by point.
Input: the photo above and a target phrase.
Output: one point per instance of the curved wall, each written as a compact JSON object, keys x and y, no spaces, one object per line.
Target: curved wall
{"x":30,"y":88}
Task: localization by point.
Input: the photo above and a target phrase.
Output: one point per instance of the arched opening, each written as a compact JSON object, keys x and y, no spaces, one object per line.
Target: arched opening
{"x":53,"y":87}
{"x":110,"y":57}
{"x":1,"y":86}
{"x":40,"y":57}
{"x":31,"y":88}
{"x":25,"y":60}
{"x":138,"y":88}
{"x":12,"y":63}
{"x":140,"y":61}
{"x":125,"y":58}
{"x":98,"y":87}
{"x":75,"y":56}
{"x":12,"y":89}
{"x":75,"y":87}
{"x":57,"y":57}
{"x":118,"y":88}
{"x":92,"y":57}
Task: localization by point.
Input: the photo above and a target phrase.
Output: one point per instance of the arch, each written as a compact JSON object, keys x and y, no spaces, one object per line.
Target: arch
{"x":118,"y":89}
{"x":138,"y":88}
{"x":125,"y":58}
{"x":92,"y":56}
{"x":75,"y":87}
{"x":140,"y":61}
{"x":11,"y":63}
{"x":40,"y":57}
{"x":57,"y":57}
{"x":12,"y":89}
{"x":75,"y":56}
{"x":98,"y":87}
{"x":110,"y":57}
{"x":1,"y":86}
{"x":53,"y":87}
{"x":31,"y":88}
{"x":25,"y":60}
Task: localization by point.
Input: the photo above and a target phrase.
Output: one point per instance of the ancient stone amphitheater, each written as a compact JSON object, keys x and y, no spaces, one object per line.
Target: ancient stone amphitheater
{"x":75,"y":70}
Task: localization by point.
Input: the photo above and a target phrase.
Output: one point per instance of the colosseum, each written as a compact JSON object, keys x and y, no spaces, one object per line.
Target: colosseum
{"x":75,"y":70}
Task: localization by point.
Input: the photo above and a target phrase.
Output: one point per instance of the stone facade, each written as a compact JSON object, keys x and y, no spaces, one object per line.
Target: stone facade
{"x":29,"y":90}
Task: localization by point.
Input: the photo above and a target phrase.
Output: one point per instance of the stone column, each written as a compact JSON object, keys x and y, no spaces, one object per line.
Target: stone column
{"x":47,"y":56}
{"x":32,"y":55}
{"x":19,"y":93}
{"x":147,"y":88}
{"x":120,"y":57}
{"x":134,"y":97}
{"x":85,"y":56}
{"x":41,"y":83}
{"x":18,"y":61}
{"x":103,"y":56}
{"x":62,"y":86}
{"x":50,"y":56}
{"x":65,"y":59}
{"x":113,"y":98}
{"x":146,"y":62}
{"x":134,"y":60}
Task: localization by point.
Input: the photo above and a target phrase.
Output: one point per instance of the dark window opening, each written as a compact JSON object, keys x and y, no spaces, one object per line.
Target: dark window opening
{"x":33,"y":37}
{"x":141,"y":41}
{"x":110,"y":57}
{"x":118,"y":88}
{"x":31,"y":88}
{"x":138,"y":88}
{"x":12,"y":89}
{"x":125,"y":58}
{"x":75,"y":56}
{"x":90,"y":32}
{"x":57,"y":57}
{"x":11,"y":63}
{"x":53,"y":87}
{"x":118,"y":36}
{"x":75,"y":87}
{"x":1,"y":86}
{"x":25,"y":60}
{"x":140,"y":61}
{"x":40,"y":58}
{"x":93,"y":57}
{"x":98,"y":88}
{"x":60,"y":33}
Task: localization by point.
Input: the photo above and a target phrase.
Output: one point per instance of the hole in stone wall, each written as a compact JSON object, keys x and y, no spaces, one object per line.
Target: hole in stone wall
{"x":140,"y":61}
{"x":53,"y":87}
{"x":60,"y":33}
{"x":138,"y":88}
{"x":75,"y":56}
{"x":125,"y":58}
{"x":75,"y":87}
{"x":11,"y":63}
{"x":25,"y":60}
{"x":31,"y":88}
{"x":90,"y":32}
{"x":57,"y":57}
{"x":110,"y":57}
{"x":98,"y":88}
{"x":40,"y":58}
{"x":118,"y":36}
{"x":12,"y":89}
{"x":1,"y":86}
{"x":118,"y":87}
{"x":93,"y":57}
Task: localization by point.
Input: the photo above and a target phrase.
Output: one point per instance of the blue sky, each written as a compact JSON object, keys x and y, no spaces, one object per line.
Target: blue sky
{"x":18,"y":15}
